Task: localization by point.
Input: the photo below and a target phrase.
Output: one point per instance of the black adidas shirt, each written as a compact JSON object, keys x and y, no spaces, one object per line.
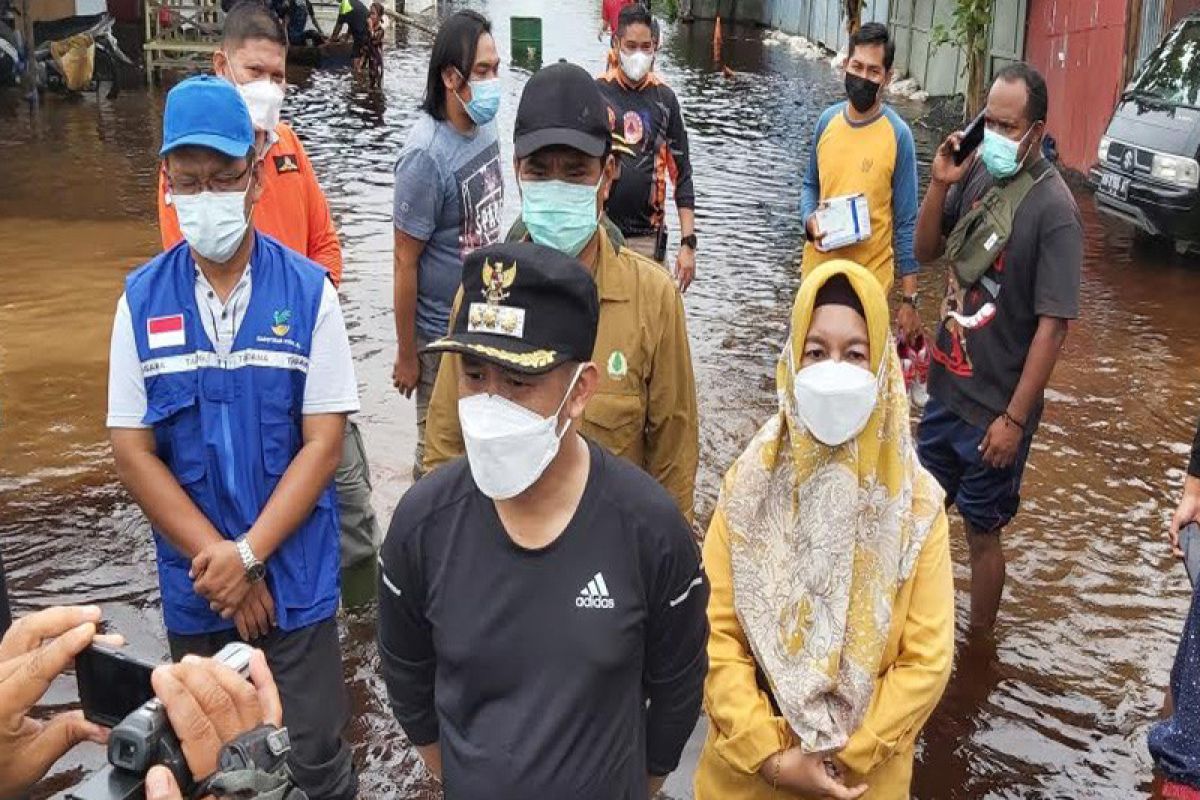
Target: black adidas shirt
{"x":532,"y":668}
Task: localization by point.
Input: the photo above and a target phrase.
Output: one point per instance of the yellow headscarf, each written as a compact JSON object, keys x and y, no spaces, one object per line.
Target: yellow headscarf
{"x":823,"y":537}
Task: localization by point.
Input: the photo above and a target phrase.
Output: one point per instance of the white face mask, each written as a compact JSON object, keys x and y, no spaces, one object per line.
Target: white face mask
{"x":213,"y":223}
{"x":265,"y":101}
{"x":834,"y":400}
{"x":636,"y":65}
{"x":508,"y":446}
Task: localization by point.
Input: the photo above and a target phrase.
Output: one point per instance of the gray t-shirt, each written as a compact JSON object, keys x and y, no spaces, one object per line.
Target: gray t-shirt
{"x":450,"y":195}
{"x":986,"y":330}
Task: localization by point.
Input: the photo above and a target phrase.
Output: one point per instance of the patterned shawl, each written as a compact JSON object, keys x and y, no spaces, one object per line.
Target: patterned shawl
{"x":822,"y":538}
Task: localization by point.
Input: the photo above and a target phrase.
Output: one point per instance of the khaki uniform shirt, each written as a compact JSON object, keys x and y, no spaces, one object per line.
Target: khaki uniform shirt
{"x":645,"y":408}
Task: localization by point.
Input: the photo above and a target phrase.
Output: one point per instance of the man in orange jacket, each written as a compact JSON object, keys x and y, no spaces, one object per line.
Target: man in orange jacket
{"x":293,"y":210}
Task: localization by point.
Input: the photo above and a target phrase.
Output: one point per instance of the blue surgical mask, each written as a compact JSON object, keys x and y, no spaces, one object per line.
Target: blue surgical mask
{"x":559,"y":214}
{"x":485,"y":101}
{"x":213,"y":223}
{"x":999,"y":154}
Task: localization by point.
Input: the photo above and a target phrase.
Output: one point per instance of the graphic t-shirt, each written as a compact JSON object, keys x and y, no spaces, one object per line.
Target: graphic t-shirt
{"x":651,"y":142}
{"x":450,"y":195}
{"x":569,"y":671}
{"x":986,"y":330}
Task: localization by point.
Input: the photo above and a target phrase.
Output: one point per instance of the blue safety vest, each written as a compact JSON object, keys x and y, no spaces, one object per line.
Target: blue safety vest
{"x":228,"y":428}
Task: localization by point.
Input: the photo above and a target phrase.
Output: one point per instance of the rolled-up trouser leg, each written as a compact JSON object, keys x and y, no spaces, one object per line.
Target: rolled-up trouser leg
{"x":361,"y":535}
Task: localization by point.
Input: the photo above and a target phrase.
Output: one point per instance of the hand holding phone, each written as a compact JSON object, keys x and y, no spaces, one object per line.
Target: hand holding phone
{"x":946,"y":168}
{"x":972,"y":137}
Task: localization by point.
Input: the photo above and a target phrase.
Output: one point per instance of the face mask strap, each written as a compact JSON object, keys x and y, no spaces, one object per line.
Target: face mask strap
{"x":567,"y":396}
{"x":1025,"y":157}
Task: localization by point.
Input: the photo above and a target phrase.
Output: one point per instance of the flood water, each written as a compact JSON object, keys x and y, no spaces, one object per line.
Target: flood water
{"x":1059,"y":708}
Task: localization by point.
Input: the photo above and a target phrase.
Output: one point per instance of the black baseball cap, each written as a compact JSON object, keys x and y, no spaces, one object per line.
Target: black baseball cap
{"x":524,"y":307}
{"x":562,"y":105}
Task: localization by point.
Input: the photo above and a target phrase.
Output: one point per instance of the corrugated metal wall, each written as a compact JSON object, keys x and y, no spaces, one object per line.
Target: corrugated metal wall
{"x":939,"y":69}
{"x":820,"y":21}
{"x":1154,"y":26}
{"x":1079,"y":46}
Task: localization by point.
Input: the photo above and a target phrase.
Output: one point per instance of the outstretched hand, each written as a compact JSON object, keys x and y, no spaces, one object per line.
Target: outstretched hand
{"x":35,"y":651}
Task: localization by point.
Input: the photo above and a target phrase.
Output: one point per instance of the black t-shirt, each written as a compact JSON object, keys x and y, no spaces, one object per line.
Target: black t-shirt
{"x":532,"y":668}
{"x":652,"y":146}
{"x":980,"y":353}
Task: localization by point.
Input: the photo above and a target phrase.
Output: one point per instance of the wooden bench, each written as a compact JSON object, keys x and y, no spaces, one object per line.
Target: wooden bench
{"x":181,"y":34}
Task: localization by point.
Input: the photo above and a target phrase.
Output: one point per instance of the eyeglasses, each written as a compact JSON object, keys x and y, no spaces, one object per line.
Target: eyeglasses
{"x":189,"y":185}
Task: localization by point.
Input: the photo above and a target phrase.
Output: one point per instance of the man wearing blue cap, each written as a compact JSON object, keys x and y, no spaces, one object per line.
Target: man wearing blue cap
{"x":229,"y":384}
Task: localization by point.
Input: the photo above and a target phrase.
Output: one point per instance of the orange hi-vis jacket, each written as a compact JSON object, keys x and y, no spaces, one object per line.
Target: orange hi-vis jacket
{"x":292,"y":208}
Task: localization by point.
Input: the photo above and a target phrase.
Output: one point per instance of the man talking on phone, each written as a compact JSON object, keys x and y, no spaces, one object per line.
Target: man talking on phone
{"x":230,"y":379}
{"x":1001,"y":335}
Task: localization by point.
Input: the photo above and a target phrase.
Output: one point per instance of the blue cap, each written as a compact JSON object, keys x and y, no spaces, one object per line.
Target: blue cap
{"x":206,"y":111}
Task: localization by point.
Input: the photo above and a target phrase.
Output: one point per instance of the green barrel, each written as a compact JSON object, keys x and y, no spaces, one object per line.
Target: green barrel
{"x":527,"y":41}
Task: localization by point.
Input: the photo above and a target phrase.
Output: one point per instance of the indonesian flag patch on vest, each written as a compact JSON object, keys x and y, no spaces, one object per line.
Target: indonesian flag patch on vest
{"x":165,"y":331}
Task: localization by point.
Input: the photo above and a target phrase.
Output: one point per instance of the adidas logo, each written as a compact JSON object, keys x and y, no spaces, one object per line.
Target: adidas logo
{"x":595,"y":594}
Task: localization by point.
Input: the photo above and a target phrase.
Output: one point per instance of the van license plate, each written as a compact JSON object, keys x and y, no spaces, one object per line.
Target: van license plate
{"x":1114,"y":185}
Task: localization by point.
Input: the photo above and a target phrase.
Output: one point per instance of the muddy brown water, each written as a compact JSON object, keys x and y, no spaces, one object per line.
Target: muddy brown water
{"x":1059,"y":708}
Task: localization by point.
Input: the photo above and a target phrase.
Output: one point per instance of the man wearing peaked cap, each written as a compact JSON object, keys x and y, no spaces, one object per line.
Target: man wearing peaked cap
{"x":230,"y":379}
{"x":540,"y":588}
{"x":644,"y":403}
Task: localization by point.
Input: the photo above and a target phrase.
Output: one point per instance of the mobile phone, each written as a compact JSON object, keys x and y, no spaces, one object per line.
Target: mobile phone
{"x":112,"y":684}
{"x":1189,"y":543}
{"x":972,"y":138}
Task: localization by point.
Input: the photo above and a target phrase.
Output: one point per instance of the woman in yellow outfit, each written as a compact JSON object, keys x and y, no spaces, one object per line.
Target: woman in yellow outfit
{"x":832,"y":606}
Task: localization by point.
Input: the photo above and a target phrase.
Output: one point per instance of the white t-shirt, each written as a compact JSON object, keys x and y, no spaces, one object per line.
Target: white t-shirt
{"x":330,"y":388}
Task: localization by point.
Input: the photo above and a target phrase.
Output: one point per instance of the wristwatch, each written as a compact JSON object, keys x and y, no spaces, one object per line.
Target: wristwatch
{"x":688,"y":241}
{"x":911,"y":299}
{"x":255,"y":569}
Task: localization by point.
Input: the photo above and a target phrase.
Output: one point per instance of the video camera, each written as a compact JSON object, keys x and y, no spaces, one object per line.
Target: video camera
{"x":145,"y":738}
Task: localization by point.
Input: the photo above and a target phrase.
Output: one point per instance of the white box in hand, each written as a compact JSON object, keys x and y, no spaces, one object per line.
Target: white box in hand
{"x":844,"y":220}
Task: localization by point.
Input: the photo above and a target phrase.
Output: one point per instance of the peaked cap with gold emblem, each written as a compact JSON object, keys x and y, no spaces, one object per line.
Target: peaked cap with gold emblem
{"x":524,"y":307}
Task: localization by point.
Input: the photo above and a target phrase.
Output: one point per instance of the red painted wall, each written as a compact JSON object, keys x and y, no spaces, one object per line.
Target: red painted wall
{"x":1078,"y":45}
{"x":1181,"y":8}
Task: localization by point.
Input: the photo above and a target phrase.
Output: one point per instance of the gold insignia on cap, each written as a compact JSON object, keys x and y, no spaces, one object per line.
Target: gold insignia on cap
{"x":498,"y":320}
{"x":492,"y":317}
{"x":538,"y":359}
{"x":496,"y":278}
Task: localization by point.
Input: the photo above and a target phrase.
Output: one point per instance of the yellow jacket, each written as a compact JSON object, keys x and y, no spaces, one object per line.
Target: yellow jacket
{"x":744,"y":730}
{"x":645,"y":408}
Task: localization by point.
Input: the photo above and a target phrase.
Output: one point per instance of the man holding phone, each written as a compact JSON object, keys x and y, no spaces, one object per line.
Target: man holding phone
{"x":230,"y":380}
{"x":862,"y":146}
{"x":1001,"y":336}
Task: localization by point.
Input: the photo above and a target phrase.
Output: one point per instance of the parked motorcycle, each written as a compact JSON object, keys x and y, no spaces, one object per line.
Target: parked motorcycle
{"x":98,"y":28}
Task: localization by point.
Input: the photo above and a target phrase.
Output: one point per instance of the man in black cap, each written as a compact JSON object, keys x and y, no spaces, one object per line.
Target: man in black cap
{"x":541,"y":589}
{"x":644,"y":404}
